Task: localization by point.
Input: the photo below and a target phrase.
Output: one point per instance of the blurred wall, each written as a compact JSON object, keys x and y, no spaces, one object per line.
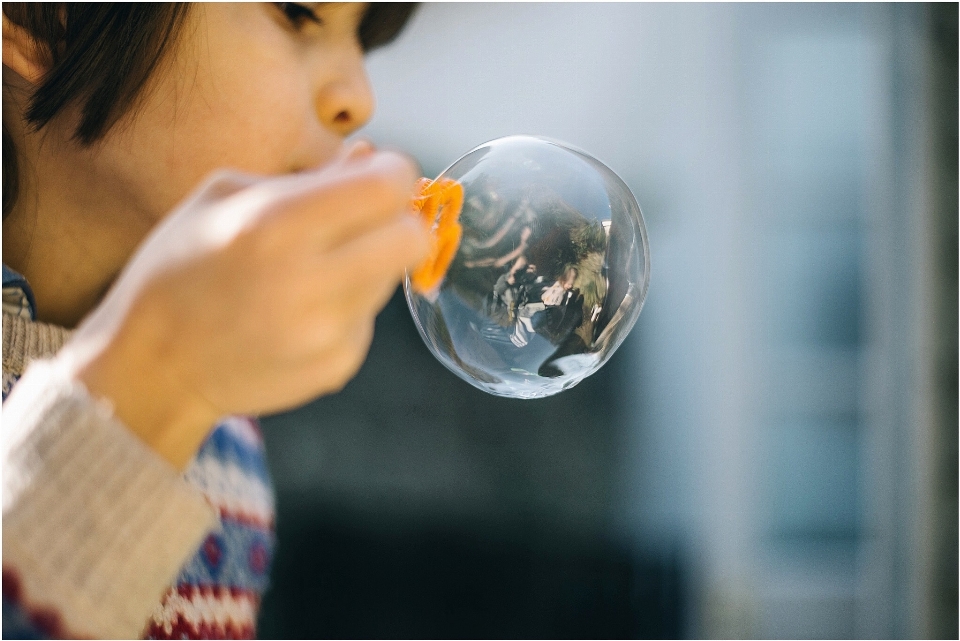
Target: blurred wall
{"x":775,"y":437}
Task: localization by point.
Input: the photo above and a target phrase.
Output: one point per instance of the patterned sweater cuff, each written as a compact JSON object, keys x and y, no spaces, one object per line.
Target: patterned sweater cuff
{"x":95,"y":524}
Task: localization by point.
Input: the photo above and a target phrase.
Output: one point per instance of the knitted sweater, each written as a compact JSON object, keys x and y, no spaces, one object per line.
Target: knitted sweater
{"x":102,"y":537}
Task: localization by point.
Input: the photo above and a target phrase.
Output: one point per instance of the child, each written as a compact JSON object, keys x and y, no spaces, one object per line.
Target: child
{"x":140,"y":309}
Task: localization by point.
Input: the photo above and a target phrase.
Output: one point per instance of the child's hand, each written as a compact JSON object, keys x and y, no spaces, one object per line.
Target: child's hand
{"x":254,"y":296}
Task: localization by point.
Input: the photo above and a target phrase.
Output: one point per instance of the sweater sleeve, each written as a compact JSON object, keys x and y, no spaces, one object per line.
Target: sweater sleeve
{"x":95,"y":525}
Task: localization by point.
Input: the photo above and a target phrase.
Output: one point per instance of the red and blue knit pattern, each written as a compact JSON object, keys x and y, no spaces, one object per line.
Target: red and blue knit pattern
{"x":218,"y":592}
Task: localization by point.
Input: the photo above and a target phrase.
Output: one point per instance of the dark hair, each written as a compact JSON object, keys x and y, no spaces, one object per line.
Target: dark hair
{"x":101,"y":56}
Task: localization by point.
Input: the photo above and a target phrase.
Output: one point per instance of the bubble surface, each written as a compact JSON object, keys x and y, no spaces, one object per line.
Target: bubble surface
{"x":550,"y":273}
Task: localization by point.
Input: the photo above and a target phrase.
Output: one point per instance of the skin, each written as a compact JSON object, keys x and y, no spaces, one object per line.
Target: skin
{"x":245,"y":89}
{"x":272,"y":271}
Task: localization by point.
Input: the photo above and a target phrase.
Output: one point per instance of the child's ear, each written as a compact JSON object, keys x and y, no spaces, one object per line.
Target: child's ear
{"x":22,"y":54}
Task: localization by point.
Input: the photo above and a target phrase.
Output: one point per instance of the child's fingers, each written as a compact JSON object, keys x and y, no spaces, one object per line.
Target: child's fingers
{"x":354,"y":282}
{"x":334,"y":366}
{"x":333,"y":207}
{"x":364,"y":272}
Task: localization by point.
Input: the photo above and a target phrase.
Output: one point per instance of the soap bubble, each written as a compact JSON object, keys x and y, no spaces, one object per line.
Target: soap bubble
{"x":550,"y":273}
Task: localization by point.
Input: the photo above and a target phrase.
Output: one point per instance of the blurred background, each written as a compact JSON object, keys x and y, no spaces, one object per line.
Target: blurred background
{"x":773,"y":451}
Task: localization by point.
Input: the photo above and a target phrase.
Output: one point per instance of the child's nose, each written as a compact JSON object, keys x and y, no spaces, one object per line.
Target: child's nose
{"x":345,"y":102}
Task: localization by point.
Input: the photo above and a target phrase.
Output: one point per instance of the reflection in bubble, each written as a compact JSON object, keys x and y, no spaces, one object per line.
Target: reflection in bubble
{"x":550,"y":275}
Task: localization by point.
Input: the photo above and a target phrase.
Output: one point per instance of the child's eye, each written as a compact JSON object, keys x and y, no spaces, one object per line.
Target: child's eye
{"x":298,"y":14}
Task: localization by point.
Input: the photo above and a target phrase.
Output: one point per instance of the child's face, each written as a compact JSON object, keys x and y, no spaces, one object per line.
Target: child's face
{"x":246,"y":88}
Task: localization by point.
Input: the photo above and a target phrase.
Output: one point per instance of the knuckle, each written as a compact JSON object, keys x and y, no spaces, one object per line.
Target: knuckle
{"x":394,"y":175}
{"x":415,"y":237}
{"x":344,"y":364}
{"x":403,"y":165}
{"x":388,"y":189}
{"x":358,"y":354}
